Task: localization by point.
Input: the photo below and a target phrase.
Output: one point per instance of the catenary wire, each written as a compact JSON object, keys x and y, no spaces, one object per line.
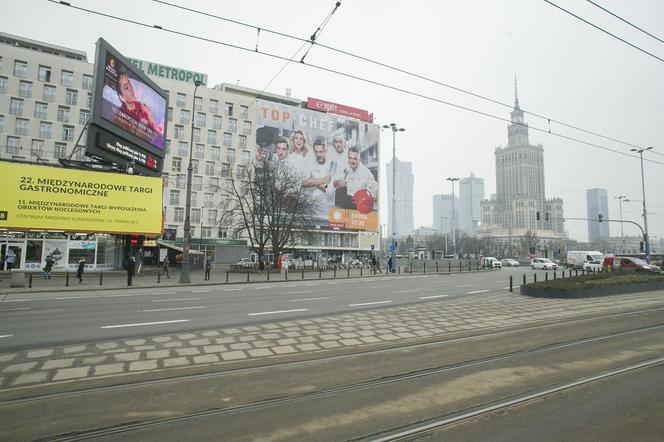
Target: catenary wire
{"x":400,"y":70}
{"x":351,"y":76}
{"x":604,"y":30}
{"x":625,"y":21}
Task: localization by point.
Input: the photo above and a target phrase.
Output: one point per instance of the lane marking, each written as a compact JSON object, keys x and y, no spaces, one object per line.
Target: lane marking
{"x":369,"y":303}
{"x":310,"y":284}
{"x":174,"y":300}
{"x":159,"y":293}
{"x":173,"y":309}
{"x":465,"y":285}
{"x":20,"y":300}
{"x":381,"y":286}
{"x":74,"y":297}
{"x":5,"y":336}
{"x":279,"y":311}
{"x":506,"y":288}
{"x":298,"y":293}
{"x":15,"y":309}
{"x":476,"y":291}
{"x":200,"y":291}
{"x":434,"y":296}
{"x":408,"y":291}
{"x":145,"y":323}
{"x":261,"y":288}
{"x":232,"y":290}
{"x":309,"y":299}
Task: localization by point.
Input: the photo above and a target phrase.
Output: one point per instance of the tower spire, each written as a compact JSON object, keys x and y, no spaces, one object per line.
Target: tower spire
{"x":516,"y":95}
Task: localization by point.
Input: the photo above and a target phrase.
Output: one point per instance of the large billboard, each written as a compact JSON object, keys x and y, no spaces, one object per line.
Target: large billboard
{"x":128,"y":122}
{"x":53,"y":198}
{"x":336,"y":158}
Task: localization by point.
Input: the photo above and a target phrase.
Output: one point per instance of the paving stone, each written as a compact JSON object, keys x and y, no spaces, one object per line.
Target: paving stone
{"x":233,"y":355}
{"x":329,"y":344}
{"x":292,"y":334}
{"x":160,"y":339}
{"x":270,"y":336}
{"x":366,"y":333}
{"x":388,"y":337}
{"x":92,"y":360}
{"x":57,"y":363}
{"x":105,"y":369}
{"x":286,"y":341}
{"x":261,"y":344}
{"x":173,"y":344}
{"x":348,"y":335}
{"x":209,"y":334}
{"x":174,"y":362}
{"x":232,"y":331}
{"x":259,"y":352}
{"x":107,"y":345}
{"x":20,"y":368}
{"x":280,"y":350}
{"x":64,"y":374}
{"x":197,"y":342}
{"x":126,"y":357}
{"x":74,"y":349}
{"x":270,"y":326}
{"x":350,"y":342}
{"x":307,"y":347}
{"x":225,"y":340}
{"x":251,"y":329}
{"x":187,"y":337}
{"x":145,"y":347}
{"x":158,"y":354}
{"x":34,"y":354}
{"x":406,"y":335}
{"x":312,"y":332}
{"x":31,"y":378}
{"x":187,"y":351}
{"x":134,"y":342}
{"x":143,"y":365}
{"x":8,"y":357}
{"x":308,"y":339}
{"x":240,"y":346}
{"x":329,"y":337}
{"x":370,"y":340}
{"x":206,"y":359}
{"x":249,"y":338}
{"x":423,"y":333}
{"x":214,"y":348}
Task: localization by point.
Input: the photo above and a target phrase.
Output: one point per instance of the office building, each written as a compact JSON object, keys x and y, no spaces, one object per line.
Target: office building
{"x":471,"y":194}
{"x":597,"y":203}
{"x":442,"y":213}
{"x":404,"y":198}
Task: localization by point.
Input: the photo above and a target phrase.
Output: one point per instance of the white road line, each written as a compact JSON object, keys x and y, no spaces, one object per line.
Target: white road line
{"x":381,"y":286}
{"x":506,"y":288}
{"x":434,"y":296}
{"x":476,"y":291}
{"x":311,"y":283}
{"x":15,"y":309}
{"x":159,"y":293}
{"x":465,"y":285}
{"x":309,"y":299}
{"x":279,"y":311}
{"x":74,"y":297}
{"x":173,"y":309}
{"x":200,"y":291}
{"x":232,"y":290}
{"x":408,"y":291}
{"x":20,"y":300}
{"x":174,"y":300}
{"x":298,"y":293}
{"x":5,"y":336}
{"x":261,"y":288}
{"x":369,"y":303}
{"x":145,"y":323}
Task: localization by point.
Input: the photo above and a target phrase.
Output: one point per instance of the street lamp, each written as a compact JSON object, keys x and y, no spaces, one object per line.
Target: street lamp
{"x":452,"y":180}
{"x":394,"y":129}
{"x":646,"y":239}
{"x":620,"y":199}
{"x":184,"y":272}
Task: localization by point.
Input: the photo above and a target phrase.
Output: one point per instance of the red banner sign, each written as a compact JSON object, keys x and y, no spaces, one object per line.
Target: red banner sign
{"x":339,"y":109}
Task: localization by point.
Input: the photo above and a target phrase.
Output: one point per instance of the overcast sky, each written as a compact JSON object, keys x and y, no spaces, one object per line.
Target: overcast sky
{"x":566,"y":70}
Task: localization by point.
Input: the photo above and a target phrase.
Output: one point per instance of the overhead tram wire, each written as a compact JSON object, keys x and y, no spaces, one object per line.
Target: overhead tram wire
{"x":347,"y":75}
{"x":625,"y":21}
{"x":400,"y":70}
{"x":604,"y":30}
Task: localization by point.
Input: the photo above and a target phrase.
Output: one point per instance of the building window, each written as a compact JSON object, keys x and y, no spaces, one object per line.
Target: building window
{"x":13,"y":145}
{"x":184,"y":116}
{"x":246,"y":129}
{"x":244,"y":111}
{"x":63,"y":114}
{"x":207,"y":200}
{"x":183,"y":149}
{"x":230,"y":155}
{"x":67,"y":78}
{"x":241,"y":171}
{"x":176,"y":164}
{"x":212,"y":136}
{"x":215,"y":153}
{"x":87,"y":82}
{"x":41,"y":110}
{"x":25,"y":89}
{"x":3,"y":85}
{"x":181,"y":100}
{"x":60,"y":150}
{"x":228,"y":108}
{"x":83,"y":116}
{"x":214,"y":106}
{"x":209,"y":168}
{"x":198,"y":103}
{"x":228,"y":138}
{"x":67,"y":133}
{"x":195,"y":213}
{"x":213,"y":184}
{"x":2,"y":123}
{"x":44,"y":73}
{"x":71,"y":98}
{"x":22,"y":126}
{"x":197,"y":135}
{"x":37,"y":149}
{"x":242,"y":142}
{"x":200,"y":119}
{"x":178,"y":215}
{"x":45,"y":130}
{"x":179,"y":132}
{"x":197,"y":182}
{"x":212,"y":217}
{"x":174,"y":199}
{"x":232,"y":125}
{"x":20,"y":69}
{"x":207,"y":232}
{"x":223,"y":232}
{"x":170,"y":114}
{"x":225,"y":169}
{"x":194,"y":166}
{"x":245,"y":157}
{"x":199,"y":151}
{"x":180,"y":181}
{"x":16,"y":106}
{"x":167,"y":147}
{"x":216,"y":122}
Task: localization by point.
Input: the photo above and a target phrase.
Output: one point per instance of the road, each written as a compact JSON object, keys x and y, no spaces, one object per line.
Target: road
{"x":40,"y":320}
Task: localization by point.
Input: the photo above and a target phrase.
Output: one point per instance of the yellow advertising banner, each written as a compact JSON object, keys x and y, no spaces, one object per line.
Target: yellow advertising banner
{"x":353,"y":219}
{"x":55,"y":198}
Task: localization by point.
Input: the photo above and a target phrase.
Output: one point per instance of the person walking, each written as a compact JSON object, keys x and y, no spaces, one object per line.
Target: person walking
{"x":208,"y":267}
{"x":80,"y":269}
{"x":48,"y":266}
{"x":131,"y":269}
{"x":164,"y":267}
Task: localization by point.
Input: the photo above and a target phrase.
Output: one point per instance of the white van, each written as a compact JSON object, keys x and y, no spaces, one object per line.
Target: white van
{"x":576,"y":259}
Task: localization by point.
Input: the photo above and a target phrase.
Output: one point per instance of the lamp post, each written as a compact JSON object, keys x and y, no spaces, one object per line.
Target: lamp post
{"x":393,"y":127}
{"x":620,"y":199}
{"x":452,"y":180}
{"x":184,"y":272}
{"x":646,"y":239}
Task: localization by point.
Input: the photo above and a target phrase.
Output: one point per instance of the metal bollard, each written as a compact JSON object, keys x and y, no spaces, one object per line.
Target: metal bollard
{"x":247,"y":276}
{"x":524,"y":279}
{"x":576,"y":272}
{"x":286,"y":274}
{"x":348,"y":272}
{"x":436,"y":266}
{"x":360,"y":271}
{"x":554,"y":275}
{"x":563,"y":274}
{"x":398,"y":270}
{"x":30,"y":280}
{"x":67,"y":280}
{"x":320,"y":273}
{"x":546,"y":276}
{"x":460,"y":268}
{"x":425,"y":266}
{"x":158,"y":278}
{"x":335,"y":271}
{"x":511,"y":284}
{"x":226,"y":275}
{"x":268,"y":274}
{"x":535,"y":277}
{"x":411,"y":267}
{"x":449,"y":266}
{"x":302,"y":272}
{"x":469,"y":266}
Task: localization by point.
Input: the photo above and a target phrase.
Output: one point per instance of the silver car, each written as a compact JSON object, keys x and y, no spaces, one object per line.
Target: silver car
{"x":543,"y":264}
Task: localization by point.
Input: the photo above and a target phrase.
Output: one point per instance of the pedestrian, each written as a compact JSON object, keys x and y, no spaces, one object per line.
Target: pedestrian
{"x":80,"y":269}
{"x":261,"y":264}
{"x":48,"y":266}
{"x":208,"y":267}
{"x":10,"y":258}
{"x":164,"y":267}
{"x":131,"y":268}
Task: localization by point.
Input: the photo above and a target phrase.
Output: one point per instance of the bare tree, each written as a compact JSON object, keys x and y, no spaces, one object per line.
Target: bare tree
{"x":266,"y":203}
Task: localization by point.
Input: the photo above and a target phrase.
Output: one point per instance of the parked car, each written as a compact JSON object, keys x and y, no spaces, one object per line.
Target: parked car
{"x":508,"y":262}
{"x":353,"y":263}
{"x":245,"y":262}
{"x":543,"y":264}
{"x":593,"y":266}
{"x":490,"y":262}
{"x":629,"y":264}
{"x":575,"y":259}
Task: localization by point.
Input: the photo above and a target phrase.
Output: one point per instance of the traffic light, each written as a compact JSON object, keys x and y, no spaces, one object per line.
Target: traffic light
{"x":600,"y":217}
{"x":537,"y":215}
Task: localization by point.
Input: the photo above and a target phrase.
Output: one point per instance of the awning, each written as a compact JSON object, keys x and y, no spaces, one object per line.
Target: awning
{"x":179,"y":249}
